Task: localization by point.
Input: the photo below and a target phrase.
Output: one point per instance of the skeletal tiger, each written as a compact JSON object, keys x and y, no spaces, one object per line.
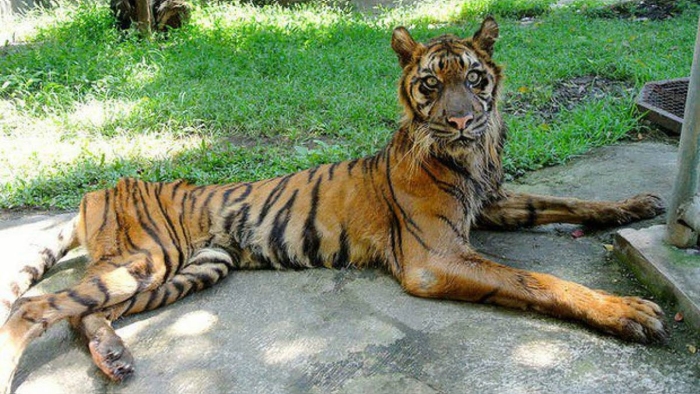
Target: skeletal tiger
{"x":409,"y":208}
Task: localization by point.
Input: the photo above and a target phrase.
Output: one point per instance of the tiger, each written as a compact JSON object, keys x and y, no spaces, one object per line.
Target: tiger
{"x":408,"y":209}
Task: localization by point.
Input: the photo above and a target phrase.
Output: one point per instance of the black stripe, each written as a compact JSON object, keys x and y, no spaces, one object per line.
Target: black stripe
{"x":220,"y":272}
{"x":102,"y":288}
{"x":165,"y":298}
{"x":243,"y":213}
{"x":85,"y":301}
{"x":176,"y":187}
{"x":227,"y":194}
{"x":395,"y":239}
{"x":351,"y":165}
{"x":133,"y":249}
{"x":105,"y":213}
{"x":231,"y":218}
{"x":311,"y":174}
{"x":453,"y":190}
{"x":531,"y":213}
{"x":129,"y":307}
{"x":276,"y":241}
{"x":152,"y":229}
{"x":205,"y":206}
{"x":178,"y":286}
{"x":446,"y":187}
{"x":151,"y":299}
{"x":201,"y":280}
{"x":181,"y":218}
{"x":169,"y":227}
{"x":272,"y":198}
{"x":390,"y":184}
{"x":342,"y":257}
{"x":366,"y":165}
{"x":311,"y":239}
{"x":209,"y":260}
{"x":411,"y":226}
{"x":195,"y":194}
{"x":331,"y":171}
{"x":454,"y":228}
{"x":53,"y":304}
{"x":454,"y":167}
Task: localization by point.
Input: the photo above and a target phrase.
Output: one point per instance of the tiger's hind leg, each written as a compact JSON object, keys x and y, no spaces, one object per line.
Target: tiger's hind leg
{"x":107,"y":285}
{"x":44,"y":253}
{"x":205,"y":268}
{"x":518,"y":210}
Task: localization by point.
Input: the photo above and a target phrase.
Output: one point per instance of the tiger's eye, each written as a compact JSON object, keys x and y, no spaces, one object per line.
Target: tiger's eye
{"x":431,"y":82}
{"x":473,"y":77}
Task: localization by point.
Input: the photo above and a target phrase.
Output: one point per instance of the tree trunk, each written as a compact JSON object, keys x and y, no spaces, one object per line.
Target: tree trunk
{"x":144,"y":17}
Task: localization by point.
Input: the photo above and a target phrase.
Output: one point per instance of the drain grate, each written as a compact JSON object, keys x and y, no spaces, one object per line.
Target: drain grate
{"x":664,"y":102}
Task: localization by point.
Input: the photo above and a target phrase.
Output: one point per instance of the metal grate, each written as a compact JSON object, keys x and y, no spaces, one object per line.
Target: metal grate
{"x":664,"y":102}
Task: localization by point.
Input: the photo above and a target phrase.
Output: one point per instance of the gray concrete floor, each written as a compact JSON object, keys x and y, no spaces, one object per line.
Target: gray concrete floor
{"x":349,"y":331}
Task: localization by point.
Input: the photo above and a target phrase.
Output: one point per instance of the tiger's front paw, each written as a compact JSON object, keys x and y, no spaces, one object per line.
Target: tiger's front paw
{"x":630,"y":318}
{"x":641,"y":206}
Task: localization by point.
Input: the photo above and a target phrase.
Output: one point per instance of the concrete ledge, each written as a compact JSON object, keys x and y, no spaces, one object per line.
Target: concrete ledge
{"x":669,"y":272}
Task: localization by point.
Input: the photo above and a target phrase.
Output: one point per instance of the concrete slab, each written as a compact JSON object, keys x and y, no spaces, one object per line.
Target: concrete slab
{"x":350,"y":331}
{"x":668,"y":271}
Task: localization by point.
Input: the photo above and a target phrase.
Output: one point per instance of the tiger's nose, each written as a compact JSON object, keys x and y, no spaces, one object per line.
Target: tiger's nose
{"x":460,"y":123}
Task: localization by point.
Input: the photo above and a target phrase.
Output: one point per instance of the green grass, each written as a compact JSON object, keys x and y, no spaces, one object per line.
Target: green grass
{"x":247,"y":92}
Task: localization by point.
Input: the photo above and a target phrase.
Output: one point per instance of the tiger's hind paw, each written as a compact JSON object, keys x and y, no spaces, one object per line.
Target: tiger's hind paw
{"x":111,"y":356}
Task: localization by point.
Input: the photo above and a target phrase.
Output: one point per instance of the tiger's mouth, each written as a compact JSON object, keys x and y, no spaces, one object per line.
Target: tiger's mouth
{"x":465,"y":139}
{"x":452,"y":135}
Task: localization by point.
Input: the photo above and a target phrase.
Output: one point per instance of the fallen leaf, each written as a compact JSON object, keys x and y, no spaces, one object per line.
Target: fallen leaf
{"x":608,"y":247}
{"x":523,"y":89}
{"x":692,"y":349}
{"x":678,"y":317}
{"x":577,"y":234}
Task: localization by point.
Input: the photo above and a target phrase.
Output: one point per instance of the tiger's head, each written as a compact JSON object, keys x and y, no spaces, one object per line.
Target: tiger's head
{"x":449,"y":88}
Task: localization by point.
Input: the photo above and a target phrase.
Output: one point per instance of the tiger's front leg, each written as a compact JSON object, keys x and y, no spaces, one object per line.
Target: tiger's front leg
{"x":470,"y":277}
{"x":519,"y":210}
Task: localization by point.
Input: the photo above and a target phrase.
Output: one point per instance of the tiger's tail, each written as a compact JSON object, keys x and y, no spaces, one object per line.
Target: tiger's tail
{"x":33,"y":261}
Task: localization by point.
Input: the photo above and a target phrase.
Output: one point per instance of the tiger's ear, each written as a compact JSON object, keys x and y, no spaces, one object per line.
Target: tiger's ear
{"x":487,"y":35}
{"x":404,"y":45}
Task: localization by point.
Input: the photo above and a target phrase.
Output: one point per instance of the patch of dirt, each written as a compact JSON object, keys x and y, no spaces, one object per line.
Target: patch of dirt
{"x":641,"y":10}
{"x":567,"y":94}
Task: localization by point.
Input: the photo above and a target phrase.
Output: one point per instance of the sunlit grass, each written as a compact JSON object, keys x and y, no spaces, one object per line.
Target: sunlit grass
{"x":246,"y":92}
